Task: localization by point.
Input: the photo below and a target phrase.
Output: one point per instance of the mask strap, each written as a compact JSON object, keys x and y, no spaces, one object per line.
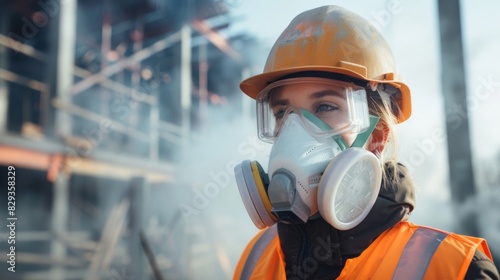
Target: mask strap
{"x":360,"y":139}
{"x":341,"y":142}
{"x":363,"y":137}
{"x":323,"y":126}
{"x":315,"y":120}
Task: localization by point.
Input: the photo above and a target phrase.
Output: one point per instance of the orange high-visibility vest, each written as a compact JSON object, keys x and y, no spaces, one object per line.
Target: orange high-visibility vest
{"x":406,"y":251}
{"x":262,"y":258}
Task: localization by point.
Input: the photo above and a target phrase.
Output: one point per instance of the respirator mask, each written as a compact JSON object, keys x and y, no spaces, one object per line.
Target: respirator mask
{"x":312,"y":171}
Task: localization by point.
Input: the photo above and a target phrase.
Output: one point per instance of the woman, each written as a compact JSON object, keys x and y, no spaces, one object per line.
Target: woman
{"x":335,"y":202}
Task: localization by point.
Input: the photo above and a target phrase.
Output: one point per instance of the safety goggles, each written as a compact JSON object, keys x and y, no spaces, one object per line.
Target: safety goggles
{"x":326,"y":107}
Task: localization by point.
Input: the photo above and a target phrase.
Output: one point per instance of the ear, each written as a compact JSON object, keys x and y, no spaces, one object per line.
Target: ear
{"x":378,"y":139}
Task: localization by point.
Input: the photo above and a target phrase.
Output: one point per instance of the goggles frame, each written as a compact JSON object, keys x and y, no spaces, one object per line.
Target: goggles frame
{"x":268,"y":128}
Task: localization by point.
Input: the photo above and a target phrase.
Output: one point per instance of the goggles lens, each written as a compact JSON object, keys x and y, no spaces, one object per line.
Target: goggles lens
{"x":340,"y":106}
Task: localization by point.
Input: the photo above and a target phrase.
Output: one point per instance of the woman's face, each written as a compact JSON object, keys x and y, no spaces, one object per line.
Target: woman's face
{"x":326,"y":103}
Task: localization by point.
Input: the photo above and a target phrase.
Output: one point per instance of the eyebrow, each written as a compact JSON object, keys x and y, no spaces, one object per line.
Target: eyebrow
{"x":323,"y":93}
{"x":277,"y":102}
{"x":280,"y":102}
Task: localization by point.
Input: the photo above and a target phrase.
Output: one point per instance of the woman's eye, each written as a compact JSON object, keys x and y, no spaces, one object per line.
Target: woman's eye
{"x":279,"y":114}
{"x":326,"y":107}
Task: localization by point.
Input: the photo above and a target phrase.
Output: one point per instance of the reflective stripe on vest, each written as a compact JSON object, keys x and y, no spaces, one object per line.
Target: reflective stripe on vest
{"x":256,"y":252}
{"x":417,"y":254}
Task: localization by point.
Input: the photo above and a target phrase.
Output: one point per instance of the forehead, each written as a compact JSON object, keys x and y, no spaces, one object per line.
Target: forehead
{"x":301,"y":92}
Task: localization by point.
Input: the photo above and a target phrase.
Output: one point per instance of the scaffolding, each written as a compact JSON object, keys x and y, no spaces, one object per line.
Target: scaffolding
{"x":69,"y":138}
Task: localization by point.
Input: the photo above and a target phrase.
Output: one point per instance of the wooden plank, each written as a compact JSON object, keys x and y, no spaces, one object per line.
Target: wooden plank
{"x":109,"y":237}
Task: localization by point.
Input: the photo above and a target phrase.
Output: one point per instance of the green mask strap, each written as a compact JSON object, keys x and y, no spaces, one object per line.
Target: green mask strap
{"x":323,"y":126}
{"x":360,"y":139}
{"x":363,"y":137}
{"x":340,"y":141}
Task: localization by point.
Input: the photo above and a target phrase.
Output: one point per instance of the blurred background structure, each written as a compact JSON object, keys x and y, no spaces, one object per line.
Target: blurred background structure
{"x":124,"y":120}
{"x":99,"y":100}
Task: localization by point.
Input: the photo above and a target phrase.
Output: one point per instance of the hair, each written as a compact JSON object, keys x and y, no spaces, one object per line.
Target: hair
{"x":385,"y":106}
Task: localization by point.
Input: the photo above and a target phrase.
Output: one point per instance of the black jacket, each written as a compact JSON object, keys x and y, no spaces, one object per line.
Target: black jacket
{"x":316,"y":250}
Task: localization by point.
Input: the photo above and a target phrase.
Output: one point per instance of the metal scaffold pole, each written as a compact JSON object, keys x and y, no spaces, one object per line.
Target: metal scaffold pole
{"x":4,"y":64}
{"x":203,"y":81}
{"x":136,"y":223}
{"x":62,"y":63}
{"x":455,"y":98}
{"x":60,"y":209}
{"x":65,"y":62}
{"x":186,"y":82}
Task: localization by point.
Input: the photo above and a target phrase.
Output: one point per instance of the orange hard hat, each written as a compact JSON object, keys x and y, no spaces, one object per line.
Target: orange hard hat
{"x":335,"y":40}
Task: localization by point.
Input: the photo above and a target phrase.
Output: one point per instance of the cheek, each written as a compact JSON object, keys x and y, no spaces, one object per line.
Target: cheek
{"x":337,"y":119}
{"x":349,"y":138}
